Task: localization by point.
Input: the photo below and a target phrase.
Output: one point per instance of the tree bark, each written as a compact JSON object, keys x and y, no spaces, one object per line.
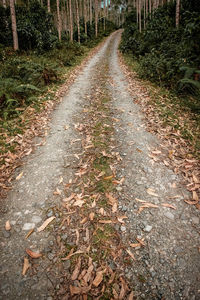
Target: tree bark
{"x":96,"y":17}
{"x":90,"y":12}
{"x":178,"y":4}
{"x":4,"y":3}
{"x":48,"y":6}
{"x":104,"y":15}
{"x":140,"y":19}
{"x":85,"y":15}
{"x":78,"y":21}
{"x":71,"y":21}
{"x":14,"y":25}
{"x":59,"y":19}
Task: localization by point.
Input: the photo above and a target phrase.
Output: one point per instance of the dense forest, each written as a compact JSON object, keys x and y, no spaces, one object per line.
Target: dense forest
{"x":164,"y":38}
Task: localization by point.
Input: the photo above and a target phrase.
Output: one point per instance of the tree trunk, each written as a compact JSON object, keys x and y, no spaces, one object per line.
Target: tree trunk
{"x":71,"y":21}
{"x":59,"y":19}
{"x":140,"y":19}
{"x":14,"y":25}
{"x":4,"y":3}
{"x":90,"y":12}
{"x":48,"y":6}
{"x":96,"y":17}
{"x":78,"y":22}
{"x":104,"y":15}
{"x":178,"y":4}
{"x":85,"y":15}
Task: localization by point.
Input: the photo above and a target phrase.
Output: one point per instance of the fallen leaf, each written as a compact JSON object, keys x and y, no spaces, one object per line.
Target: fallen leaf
{"x":76,"y":270}
{"x":114,"y":208}
{"x":105,"y":221}
{"x":61,"y":180}
{"x":57,"y":192}
{"x":79,"y":203}
{"x":147,"y":205}
{"x":84,"y":220}
{"x":124,"y":288}
{"x":76,"y":290}
{"x":195,"y":196}
{"x":72,"y":254}
{"x":98,"y":279}
{"x":19,"y":176}
{"x":26,"y":266}
{"x":7,"y":225}
{"x":33,"y":254}
{"x":120,"y":219}
{"x":108,"y":177}
{"x":130,"y":296}
{"x":29,"y":233}
{"x":135,"y":245}
{"x":168,"y":205}
{"x":91,"y":216}
{"x":46,"y":223}
{"x":152,"y":192}
{"x":131,"y":254}
{"x":190,"y":202}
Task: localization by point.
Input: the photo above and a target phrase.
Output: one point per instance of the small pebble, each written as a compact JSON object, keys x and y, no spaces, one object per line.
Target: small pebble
{"x":28,"y":226}
{"x":169,"y":215}
{"x":195,"y":220}
{"x":123,"y":228}
{"x":36,"y":219}
{"x":6,"y":234}
{"x":148,"y":228}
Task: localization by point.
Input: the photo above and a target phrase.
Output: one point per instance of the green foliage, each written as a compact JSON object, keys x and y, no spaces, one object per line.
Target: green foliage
{"x":162,"y":50}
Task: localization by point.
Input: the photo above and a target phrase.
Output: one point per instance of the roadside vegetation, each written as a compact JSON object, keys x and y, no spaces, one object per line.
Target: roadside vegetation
{"x":165,"y":54}
{"x":30,"y":75}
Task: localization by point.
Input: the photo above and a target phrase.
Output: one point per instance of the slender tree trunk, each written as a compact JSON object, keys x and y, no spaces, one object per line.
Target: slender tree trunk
{"x":104,"y":15}
{"x":71,"y":21}
{"x":96,"y":17}
{"x":150,"y":8}
{"x":78,"y":21}
{"x":90,"y":12}
{"x":59,"y":19}
{"x":85,"y":15}
{"x":140,"y":19}
{"x":144,"y":14}
{"x":14,"y":25}
{"x":178,"y":4}
{"x":48,"y":6}
{"x":4,"y":3}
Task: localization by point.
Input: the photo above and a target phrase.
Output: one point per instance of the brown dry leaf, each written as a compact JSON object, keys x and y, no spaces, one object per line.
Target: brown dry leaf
{"x":26,"y":266}
{"x":29,"y":233}
{"x":98,"y":279}
{"x":118,"y":181}
{"x":106,"y":221}
{"x":33,"y":254}
{"x":141,"y":241}
{"x":66,"y":127}
{"x":108,"y":177}
{"x":76,"y":270}
{"x":152,"y":192}
{"x":147,"y":205}
{"x":46,"y":223}
{"x":60,"y":180}
{"x":77,"y":237}
{"x":69,"y":198}
{"x":123,"y":290}
{"x":79,"y":203}
{"x":57,"y":192}
{"x":120,"y":219}
{"x":84,"y":220}
{"x":130,"y":296}
{"x":135,"y":245}
{"x":91,"y":216}
{"x":111,"y":200}
{"x":19,"y":176}
{"x":102,"y":211}
{"x":76,"y":290}
{"x":191,"y":202}
{"x":114,"y":208}
{"x":71,"y":253}
{"x":7,"y":225}
{"x":94,"y":203}
{"x":168,"y":205}
{"x":88,"y":275}
{"x":131,"y":254}
{"x":196,"y":180}
{"x":195,"y":196}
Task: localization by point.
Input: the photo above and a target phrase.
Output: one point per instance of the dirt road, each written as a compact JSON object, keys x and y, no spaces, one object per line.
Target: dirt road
{"x":122,"y":211}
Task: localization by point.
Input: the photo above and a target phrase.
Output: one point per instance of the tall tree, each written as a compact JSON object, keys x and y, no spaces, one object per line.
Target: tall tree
{"x":14,"y":25}
{"x":96,"y":16}
{"x":48,"y":6}
{"x":78,"y":21}
{"x":178,"y":4}
{"x":71,"y":20}
{"x":59,"y":19}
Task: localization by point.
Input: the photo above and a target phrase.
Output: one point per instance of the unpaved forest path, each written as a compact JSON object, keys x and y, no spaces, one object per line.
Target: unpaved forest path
{"x":94,"y":174}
